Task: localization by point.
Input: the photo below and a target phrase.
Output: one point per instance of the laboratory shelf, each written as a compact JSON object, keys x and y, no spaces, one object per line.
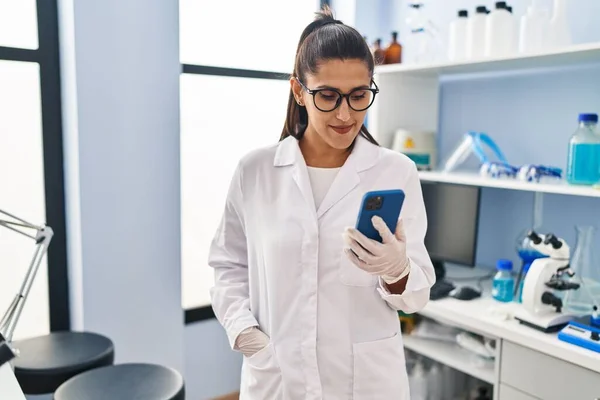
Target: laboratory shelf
{"x":473,"y":179}
{"x":565,"y":57}
{"x":452,"y":355}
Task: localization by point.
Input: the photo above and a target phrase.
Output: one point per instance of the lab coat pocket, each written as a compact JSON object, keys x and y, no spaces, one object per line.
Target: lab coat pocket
{"x":262,"y":378}
{"x":380,"y":370}
{"x":351,"y":275}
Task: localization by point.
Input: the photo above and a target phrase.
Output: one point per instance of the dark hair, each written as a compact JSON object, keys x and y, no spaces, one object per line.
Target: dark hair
{"x":326,"y":38}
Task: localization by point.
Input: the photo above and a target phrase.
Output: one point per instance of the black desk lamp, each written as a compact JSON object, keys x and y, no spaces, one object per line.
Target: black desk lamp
{"x":42,"y":236}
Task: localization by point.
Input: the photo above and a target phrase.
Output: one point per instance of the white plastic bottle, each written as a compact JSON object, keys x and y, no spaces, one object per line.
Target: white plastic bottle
{"x":435,"y":382}
{"x":534,"y":29}
{"x":418,"y":382}
{"x":560,"y":35}
{"x":457,"y":47}
{"x":516,"y":32}
{"x":476,"y":33}
{"x":499,"y":32}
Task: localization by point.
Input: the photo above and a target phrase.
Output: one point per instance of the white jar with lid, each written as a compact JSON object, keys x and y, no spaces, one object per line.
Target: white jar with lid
{"x":457,"y":40}
{"x":499,"y":32}
{"x":476,"y":33}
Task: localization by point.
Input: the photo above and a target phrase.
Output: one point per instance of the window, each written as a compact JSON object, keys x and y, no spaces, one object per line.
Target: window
{"x":255,"y":35}
{"x":31,"y":180}
{"x":234,"y":93}
{"x":22,"y":177}
{"x":211,"y":144}
{"x":18,"y":24}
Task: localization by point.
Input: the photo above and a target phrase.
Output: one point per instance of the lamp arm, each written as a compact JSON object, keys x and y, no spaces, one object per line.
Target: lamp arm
{"x":13,"y":313}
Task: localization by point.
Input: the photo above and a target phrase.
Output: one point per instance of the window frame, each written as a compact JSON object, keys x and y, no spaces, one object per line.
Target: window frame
{"x":48,"y":59}
{"x":202,"y":313}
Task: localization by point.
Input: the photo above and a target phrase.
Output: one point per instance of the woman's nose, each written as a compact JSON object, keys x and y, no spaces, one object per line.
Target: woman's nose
{"x":343,"y":111}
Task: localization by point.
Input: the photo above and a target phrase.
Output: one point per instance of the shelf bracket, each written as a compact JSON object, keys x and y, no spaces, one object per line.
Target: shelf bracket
{"x":538,"y":210}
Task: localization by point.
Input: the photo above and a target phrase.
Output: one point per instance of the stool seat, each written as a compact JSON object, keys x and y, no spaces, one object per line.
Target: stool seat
{"x":45,"y":362}
{"x":124,"y":382}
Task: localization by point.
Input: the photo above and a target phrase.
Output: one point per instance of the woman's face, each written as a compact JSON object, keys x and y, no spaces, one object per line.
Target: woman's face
{"x":337,"y":128}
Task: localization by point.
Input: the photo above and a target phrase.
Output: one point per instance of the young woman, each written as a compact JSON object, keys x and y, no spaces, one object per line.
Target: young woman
{"x":314,"y":319}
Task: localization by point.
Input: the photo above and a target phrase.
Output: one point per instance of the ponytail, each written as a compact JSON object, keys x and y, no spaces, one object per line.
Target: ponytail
{"x":296,"y":119}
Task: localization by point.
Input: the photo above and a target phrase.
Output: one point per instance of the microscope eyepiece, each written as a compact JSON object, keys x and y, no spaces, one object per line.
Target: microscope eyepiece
{"x":552,"y":240}
{"x":534,"y":237}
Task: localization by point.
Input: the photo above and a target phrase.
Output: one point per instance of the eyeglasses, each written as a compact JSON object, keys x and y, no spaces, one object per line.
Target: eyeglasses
{"x":327,"y":100}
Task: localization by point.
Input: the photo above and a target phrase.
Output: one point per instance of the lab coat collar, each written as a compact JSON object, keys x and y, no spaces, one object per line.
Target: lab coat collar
{"x":364,"y":156}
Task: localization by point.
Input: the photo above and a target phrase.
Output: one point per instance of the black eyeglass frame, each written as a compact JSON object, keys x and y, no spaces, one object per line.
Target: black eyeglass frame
{"x":341,"y":96}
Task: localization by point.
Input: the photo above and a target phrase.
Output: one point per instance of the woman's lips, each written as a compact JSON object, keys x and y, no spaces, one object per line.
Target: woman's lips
{"x":342,"y":129}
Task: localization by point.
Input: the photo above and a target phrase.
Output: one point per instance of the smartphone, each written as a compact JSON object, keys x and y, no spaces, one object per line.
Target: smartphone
{"x":387,"y":204}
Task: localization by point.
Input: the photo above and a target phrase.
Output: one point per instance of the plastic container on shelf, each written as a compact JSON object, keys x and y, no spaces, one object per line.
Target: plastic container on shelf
{"x":425,"y":38}
{"x":499,"y":32}
{"x":534,"y":29}
{"x":515,"y":31}
{"x":583,"y":160}
{"x":435,"y":382}
{"x":418,"y":382}
{"x":503,"y":285}
{"x":457,"y":41}
{"x":476,"y":33}
{"x":560,"y":34}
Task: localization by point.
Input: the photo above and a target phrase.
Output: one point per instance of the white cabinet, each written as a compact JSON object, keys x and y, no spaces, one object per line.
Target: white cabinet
{"x":546,"y":377}
{"x":508,"y":393}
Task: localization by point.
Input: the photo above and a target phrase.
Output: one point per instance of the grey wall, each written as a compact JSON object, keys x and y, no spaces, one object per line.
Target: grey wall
{"x":212,"y":369}
{"x":121,"y":93}
{"x":120,"y":78}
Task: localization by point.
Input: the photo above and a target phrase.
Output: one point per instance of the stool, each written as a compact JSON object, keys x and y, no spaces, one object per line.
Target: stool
{"x":124,"y":382}
{"x":45,"y":362}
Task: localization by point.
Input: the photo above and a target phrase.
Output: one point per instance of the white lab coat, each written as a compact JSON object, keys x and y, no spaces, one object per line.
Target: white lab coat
{"x":279,"y":264}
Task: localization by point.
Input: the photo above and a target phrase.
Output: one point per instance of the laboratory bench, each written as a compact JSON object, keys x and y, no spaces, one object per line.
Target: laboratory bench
{"x":528,"y":364}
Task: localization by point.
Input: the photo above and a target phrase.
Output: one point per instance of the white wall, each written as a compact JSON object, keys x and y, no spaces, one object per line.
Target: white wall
{"x":120,"y":76}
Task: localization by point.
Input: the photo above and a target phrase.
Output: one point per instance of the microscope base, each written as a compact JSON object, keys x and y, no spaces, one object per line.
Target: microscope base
{"x":548,"y":323}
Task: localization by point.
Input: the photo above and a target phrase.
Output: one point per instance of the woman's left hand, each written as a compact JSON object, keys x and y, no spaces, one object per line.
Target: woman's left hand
{"x":387,"y":259}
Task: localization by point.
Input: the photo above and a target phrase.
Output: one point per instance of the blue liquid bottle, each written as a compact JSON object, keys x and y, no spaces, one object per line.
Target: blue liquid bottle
{"x":503,"y":285}
{"x":583,"y":162}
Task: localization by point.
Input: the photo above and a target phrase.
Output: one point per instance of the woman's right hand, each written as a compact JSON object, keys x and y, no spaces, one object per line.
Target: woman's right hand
{"x":251,"y":341}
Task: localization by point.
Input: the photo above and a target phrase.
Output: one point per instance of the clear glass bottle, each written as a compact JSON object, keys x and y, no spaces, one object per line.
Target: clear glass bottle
{"x":583,"y":162}
{"x":587,"y":274}
{"x":503,"y":285}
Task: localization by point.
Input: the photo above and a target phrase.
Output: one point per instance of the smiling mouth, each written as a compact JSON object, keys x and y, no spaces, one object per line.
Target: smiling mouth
{"x":342,"y":129}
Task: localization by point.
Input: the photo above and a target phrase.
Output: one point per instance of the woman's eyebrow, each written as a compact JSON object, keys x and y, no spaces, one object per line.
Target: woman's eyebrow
{"x":339,"y":90}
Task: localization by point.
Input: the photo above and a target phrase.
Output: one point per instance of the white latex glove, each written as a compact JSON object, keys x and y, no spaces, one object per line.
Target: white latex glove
{"x":387,"y":259}
{"x":251,"y":341}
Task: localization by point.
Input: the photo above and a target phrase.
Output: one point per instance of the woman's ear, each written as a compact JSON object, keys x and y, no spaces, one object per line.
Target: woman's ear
{"x":297,"y":90}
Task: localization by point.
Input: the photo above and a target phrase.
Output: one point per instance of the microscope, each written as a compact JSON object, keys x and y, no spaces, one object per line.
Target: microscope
{"x":541,"y":308}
